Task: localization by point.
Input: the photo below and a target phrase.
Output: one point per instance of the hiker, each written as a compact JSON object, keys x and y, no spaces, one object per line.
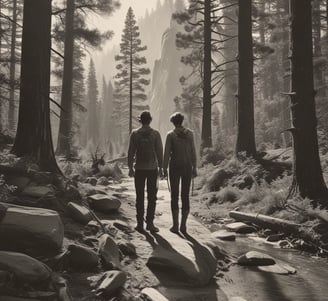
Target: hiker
{"x":147,"y":149}
{"x":180,"y":156}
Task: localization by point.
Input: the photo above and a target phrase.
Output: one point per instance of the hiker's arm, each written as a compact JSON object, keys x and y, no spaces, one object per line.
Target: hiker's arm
{"x":159,"y":150}
{"x":167,"y":152}
{"x":131,"y":151}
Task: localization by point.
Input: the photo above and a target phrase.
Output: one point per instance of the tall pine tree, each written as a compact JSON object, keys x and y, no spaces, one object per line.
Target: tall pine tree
{"x":131,"y":69}
{"x":92,"y":99}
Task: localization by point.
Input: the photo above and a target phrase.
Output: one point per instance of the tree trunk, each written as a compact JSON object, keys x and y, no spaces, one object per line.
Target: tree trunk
{"x":33,"y":138}
{"x":318,"y":67}
{"x":12,"y":71}
{"x":207,"y":81}
{"x":284,"y":6}
{"x":131,"y":87}
{"x":245,"y":132}
{"x":1,"y":100}
{"x":230,"y":77}
{"x":66,"y":118}
{"x":308,"y":179}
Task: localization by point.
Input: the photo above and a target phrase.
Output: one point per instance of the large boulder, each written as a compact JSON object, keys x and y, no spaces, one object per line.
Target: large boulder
{"x":24,"y":268}
{"x":38,"y":191}
{"x":30,"y":229}
{"x":190,"y":261}
{"x":104,"y":203}
{"x":109,"y":252}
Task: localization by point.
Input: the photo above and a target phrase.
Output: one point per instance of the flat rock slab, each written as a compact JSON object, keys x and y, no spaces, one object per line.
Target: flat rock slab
{"x":224,"y":235}
{"x":38,"y":191}
{"x":254,"y":258}
{"x":24,"y":268}
{"x":79,"y":213}
{"x":30,"y":229}
{"x":278,"y":268}
{"x":191,"y":262}
{"x":240,"y":228}
{"x":103,"y":202}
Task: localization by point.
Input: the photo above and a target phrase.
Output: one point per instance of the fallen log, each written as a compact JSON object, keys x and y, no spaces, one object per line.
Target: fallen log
{"x":275,"y":224}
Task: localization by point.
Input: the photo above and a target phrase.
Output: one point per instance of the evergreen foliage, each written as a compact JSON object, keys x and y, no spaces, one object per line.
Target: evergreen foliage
{"x":131,"y":77}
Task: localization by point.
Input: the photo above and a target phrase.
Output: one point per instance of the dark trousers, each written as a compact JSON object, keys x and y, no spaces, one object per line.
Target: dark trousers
{"x":140,"y":178}
{"x":184,"y":175}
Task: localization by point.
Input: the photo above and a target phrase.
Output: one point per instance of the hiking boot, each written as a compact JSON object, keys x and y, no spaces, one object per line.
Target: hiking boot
{"x":150,"y":227}
{"x":175,"y":218}
{"x":139,"y":228}
{"x":183,"y":226}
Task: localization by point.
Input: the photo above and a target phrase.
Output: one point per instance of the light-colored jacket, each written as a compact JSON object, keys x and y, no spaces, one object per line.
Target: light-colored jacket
{"x":180,"y":149}
{"x":153,"y":158}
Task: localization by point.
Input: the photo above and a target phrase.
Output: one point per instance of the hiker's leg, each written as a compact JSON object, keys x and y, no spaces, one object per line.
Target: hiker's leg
{"x":139,"y":181}
{"x":152,"y":176}
{"x":185,"y":190}
{"x":174,"y":183}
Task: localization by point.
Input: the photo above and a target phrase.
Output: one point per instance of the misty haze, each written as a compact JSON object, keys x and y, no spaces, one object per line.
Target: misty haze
{"x":163,"y":150}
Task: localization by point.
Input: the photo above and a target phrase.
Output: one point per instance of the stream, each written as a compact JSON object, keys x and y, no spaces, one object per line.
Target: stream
{"x":308,"y":284}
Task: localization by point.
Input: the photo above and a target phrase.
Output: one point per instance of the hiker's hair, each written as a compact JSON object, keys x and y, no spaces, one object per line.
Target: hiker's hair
{"x":177,"y":118}
{"x":145,"y":118}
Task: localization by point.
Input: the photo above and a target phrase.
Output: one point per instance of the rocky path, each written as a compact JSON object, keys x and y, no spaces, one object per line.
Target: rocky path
{"x":178,"y":267}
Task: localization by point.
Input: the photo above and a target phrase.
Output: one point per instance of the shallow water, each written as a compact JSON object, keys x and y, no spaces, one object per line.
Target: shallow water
{"x":310,"y":283}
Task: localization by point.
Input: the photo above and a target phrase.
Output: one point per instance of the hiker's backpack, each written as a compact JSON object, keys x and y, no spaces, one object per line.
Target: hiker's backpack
{"x":181,"y":150}
{"x":145,"y":147}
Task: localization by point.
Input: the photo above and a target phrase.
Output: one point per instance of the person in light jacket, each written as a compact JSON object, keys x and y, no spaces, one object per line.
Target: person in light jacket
{"x":180,"y":157}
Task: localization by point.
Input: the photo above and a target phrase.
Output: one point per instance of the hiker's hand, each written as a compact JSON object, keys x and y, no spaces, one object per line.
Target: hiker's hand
{"x":194,"y":172}
{"x":165,"y":173}
{"x":131,"y":173}
{"x":161,"y":175}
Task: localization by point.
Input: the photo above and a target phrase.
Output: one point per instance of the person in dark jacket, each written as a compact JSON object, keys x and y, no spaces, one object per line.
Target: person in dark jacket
{"x":180,"y":157}
{"x":146,"y":150}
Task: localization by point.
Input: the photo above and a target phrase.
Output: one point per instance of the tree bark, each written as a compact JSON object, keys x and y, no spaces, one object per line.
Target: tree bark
{"x":66,"y":118}
{"x":245,"y":132}
{"x":12,"y":70}
{"x":33,"y":138}
{"x":318,"y":67}
{"x":286,"y":118}
{"x":1,"y":100}
{"x":131,"y":85}
{"x":308,"y":180}
{"x":207,"y":81}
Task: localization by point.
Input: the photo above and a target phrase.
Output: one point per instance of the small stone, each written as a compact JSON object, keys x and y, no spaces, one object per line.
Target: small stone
{"x":285,"y":244}
{"x":109,"y":252}
{"x":279,"y":268}
{"x":82,"y":258}
{"x":153,"y":295}
{"x":103,"y":202}
{"x":79,"y":213}
{"x":91,"y":180}
{"x":111,"y":282}
{"x":275,"y":237}
{"x":241,"y":228}
{"x":121,"y":225}
{"x":237,"y":299}
{"x":254,"y":258}
{"x":127,"y":248}
{"x":224,"y":235}
{"x":103,"y":181}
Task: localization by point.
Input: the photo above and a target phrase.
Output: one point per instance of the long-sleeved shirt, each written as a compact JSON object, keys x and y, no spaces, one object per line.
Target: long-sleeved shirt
{"x":180,"y":149}
{"x":145,"y":149}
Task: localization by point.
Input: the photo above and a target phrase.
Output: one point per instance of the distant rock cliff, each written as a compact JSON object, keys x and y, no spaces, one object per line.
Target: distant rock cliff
{"x":165,"y":81}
